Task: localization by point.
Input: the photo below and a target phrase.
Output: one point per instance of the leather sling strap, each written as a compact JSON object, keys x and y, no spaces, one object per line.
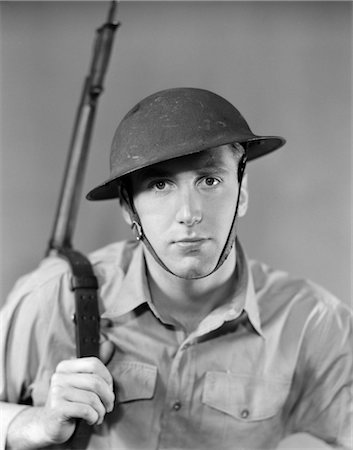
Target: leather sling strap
{"x":84,"y":284}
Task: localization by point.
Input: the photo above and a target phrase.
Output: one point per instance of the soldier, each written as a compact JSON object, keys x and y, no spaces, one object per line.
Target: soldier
{"x":200,"y":346}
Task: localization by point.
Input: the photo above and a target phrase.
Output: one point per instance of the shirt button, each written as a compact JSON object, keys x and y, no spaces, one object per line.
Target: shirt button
{"x":177,"y":406}
{"x":245,"y":413}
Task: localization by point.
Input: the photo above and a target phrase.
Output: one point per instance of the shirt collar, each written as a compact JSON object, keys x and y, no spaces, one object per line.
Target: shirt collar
{"x":250,"y":304}
{"x":242,"y":301}
{"x":133,"y":291}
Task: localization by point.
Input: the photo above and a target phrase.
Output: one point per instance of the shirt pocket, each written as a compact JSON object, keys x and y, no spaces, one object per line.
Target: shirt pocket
{"x":134,"y":380}
{"x":245,"y":398}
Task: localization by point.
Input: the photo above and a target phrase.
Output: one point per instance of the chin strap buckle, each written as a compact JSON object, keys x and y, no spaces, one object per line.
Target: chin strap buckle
{"x":137,"y":230}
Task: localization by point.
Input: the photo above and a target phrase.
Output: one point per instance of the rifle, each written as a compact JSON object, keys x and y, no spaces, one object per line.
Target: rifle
{"x":84,"y":283}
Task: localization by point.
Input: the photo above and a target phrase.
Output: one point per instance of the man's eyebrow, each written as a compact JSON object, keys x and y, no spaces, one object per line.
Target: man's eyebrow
{"x":160,"y":172}
{"x":156,"y":172}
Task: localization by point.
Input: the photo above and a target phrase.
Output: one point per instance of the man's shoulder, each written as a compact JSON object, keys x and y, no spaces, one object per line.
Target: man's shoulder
{"x":113,"y":257}
{"x":53,"y":274}
{"x":278,"y":289}
{"x":43,"y":301}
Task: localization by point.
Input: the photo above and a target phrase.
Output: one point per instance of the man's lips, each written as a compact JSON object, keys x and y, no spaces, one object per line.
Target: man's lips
{"x":188,"y":241}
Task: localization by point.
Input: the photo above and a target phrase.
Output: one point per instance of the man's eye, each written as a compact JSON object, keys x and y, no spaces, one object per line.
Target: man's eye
{"x":210,"y":181}
{"x":159,"y":185}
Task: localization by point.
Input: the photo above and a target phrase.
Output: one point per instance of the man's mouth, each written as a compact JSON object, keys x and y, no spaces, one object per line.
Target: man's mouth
{"x":190,"y":241}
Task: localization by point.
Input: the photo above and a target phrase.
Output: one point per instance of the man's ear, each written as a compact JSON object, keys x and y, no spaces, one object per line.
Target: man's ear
{"x":244,"y":196}
{"x":125,"y":211}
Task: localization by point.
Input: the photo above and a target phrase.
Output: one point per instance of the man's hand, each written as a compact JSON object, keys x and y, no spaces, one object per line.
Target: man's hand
{"x":80,"y":389}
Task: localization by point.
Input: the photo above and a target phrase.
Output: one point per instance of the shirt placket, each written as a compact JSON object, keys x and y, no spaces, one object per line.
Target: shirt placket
{"x":179,"y":389}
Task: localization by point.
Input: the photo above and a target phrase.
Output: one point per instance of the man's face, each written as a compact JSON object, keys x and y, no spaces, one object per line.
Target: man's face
{"x":186,"y":207}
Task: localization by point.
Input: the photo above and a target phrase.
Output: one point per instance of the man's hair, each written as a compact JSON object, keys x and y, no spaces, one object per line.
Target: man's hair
{"x":238,"y":152}
{"x":238,"y":149}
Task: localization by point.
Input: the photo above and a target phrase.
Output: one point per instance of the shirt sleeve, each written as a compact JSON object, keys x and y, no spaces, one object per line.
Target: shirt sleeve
{"x":8,"y":412}
{"x":23,"y":336}
{"x":324,"y":405}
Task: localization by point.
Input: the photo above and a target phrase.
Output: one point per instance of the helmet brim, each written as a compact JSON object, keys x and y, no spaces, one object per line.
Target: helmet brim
{"x":256,"y":146}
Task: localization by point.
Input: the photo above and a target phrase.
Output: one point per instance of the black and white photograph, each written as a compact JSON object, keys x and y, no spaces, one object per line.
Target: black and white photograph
{"x":175,"y":225}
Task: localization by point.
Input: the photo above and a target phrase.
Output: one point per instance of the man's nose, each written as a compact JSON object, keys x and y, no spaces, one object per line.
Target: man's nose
{"x":189,"y":209}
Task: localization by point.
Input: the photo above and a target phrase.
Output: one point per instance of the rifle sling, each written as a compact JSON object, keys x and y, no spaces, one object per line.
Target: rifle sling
{"x":84,"y":284}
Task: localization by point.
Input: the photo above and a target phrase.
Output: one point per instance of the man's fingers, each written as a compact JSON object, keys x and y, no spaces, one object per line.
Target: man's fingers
{"x":81,"y":389}
{"x":87,"y":384}
{"x":85,"y":365}
{"x":80,"y":411}
{"x":86,"y":398}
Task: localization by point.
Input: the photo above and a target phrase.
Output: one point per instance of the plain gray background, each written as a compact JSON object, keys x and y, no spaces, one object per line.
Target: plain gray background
{"x":286,"y":65}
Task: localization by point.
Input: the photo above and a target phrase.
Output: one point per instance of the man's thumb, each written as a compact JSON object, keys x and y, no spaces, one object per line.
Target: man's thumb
{"x":106,"y":350}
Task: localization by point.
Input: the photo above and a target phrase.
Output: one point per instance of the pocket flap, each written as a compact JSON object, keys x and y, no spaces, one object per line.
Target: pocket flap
{"x":245,"y":397}
{"x":135,"y":380}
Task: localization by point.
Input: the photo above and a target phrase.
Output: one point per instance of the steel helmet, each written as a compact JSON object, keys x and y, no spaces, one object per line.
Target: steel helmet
{"x":173,"y":123}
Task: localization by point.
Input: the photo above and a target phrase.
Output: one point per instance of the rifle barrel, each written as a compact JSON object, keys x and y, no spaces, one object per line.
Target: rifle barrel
{"x":71,"y":189}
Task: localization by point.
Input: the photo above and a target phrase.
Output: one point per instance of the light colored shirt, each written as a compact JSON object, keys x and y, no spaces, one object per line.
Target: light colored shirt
{"x":274,"y":360}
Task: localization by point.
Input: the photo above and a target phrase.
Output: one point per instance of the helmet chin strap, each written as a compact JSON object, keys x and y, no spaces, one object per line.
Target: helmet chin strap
{"x":140,"y":235}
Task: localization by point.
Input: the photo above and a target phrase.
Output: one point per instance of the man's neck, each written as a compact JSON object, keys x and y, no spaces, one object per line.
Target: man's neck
{"x":185,"y":303}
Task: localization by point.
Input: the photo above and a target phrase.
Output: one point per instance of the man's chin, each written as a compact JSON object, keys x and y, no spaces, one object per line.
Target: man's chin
{"x":192,"y":272}
{"x":188,"y":267}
